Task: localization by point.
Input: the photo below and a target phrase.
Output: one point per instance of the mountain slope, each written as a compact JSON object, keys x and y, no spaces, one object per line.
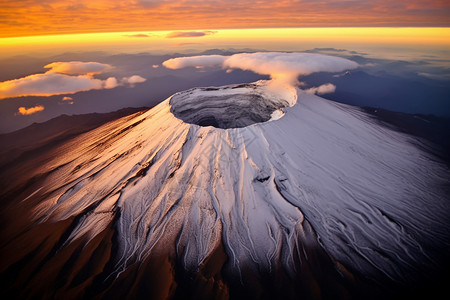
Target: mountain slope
{"x":287,"y":198}
{"x":56,"y":130}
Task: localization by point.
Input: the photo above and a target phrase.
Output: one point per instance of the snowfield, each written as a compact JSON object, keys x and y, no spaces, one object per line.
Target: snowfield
{"x":320,"y":175}
{"x":371,"y":196}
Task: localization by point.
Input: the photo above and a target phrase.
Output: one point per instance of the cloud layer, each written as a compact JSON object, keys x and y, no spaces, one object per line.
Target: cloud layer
{"x":60,"y":16}
{"x":64,"y":78}
{"x":195,"y":61}
{"x":138,"y":35}
{"x":48,"y":84}
{"x":279,"y":65}
{"x":77,"y":68}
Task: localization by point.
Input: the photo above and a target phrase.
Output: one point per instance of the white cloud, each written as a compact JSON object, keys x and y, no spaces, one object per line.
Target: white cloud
{"x":61,"y":79}
{"x":29,"y":111}
{"x":48,"y":84}
{"x":288,"y":66}
{"x":323,"y":89}
{"x":279,"y":65}
{"x":77,"y":68}
{"x":132,"y":80}
{"x":110,"y":83}
{"x":195,"y":61}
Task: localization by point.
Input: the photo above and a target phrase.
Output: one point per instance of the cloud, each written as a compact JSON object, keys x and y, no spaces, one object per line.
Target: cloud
{"x":66,"y":100}
{"x":110,"y":83}
{"x":60,"y":79}
{"x":288,"y":66}
{"x":434,"y":76}
{"x":283,"y":68}
{"x":29,"y":111}
{"x":48,"y":84}
{"x":139,"y":35}
{"x":77,"y":68}
{"x":280,"y":66}
{"x":195,"y":61}
{"x":335,"y":50}
{"x":184,"y":34}
{"x":134,"y":79}
{"x":346,"y":73}
{"x":323,"y":89}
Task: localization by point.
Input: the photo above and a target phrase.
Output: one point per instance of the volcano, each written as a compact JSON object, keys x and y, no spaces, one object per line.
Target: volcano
{"x":241,"y":191}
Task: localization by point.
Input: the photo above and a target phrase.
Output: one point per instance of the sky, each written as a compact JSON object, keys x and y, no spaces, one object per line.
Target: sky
{"x":45,"y":17}
{"x":389,"y":39}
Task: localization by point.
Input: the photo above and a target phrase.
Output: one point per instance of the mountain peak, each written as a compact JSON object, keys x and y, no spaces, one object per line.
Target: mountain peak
{"x":233,"y":106}
{"x":211,"y":184}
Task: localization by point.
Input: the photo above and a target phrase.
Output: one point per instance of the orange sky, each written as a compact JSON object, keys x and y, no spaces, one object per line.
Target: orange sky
{"x":39,"y":17}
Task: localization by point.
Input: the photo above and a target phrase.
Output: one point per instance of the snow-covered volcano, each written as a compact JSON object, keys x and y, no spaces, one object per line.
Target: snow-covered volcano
{"x":244,"y":190}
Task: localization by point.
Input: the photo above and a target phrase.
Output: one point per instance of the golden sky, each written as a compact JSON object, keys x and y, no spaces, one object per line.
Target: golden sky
{"x":43,"y":17}
{"x":385,"y":40}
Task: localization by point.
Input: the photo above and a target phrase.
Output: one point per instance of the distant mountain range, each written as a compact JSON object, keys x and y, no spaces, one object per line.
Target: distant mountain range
{"x":26,"y":142}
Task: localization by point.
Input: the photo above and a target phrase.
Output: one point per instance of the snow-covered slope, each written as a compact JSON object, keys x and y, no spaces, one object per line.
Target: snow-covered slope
{"x":287,"y":178}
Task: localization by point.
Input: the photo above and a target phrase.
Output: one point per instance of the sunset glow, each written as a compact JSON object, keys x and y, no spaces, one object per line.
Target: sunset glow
{"x":269,"y":38}
{"x":25,"y":18}
{"x":437,"y":36}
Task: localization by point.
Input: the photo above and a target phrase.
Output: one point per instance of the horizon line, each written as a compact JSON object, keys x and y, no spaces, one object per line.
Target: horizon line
{"x":217,"y":29}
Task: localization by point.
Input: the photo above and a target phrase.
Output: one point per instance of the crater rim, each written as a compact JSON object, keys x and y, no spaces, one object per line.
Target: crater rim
{"x":226,"y":107}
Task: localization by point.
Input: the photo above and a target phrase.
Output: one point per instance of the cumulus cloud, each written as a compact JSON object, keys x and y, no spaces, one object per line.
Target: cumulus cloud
{"x":77,"y":68}
{"x":132,"y":80}
{"x":29,"y":111}
{"x":279,"y":65}
{"x":110,"y":83}
{"x":183,"y":34}
{"x":322,"y":89}
{"x":64,"y":78}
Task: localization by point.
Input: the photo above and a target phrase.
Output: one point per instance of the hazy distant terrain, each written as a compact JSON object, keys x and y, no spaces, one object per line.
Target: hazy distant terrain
{"x":411,"y":86}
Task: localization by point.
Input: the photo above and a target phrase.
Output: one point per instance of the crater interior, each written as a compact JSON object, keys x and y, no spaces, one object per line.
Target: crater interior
{"x":225,"y":107}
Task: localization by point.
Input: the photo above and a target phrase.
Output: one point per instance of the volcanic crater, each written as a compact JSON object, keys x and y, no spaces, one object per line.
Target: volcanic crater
{"x":229,"y":107}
